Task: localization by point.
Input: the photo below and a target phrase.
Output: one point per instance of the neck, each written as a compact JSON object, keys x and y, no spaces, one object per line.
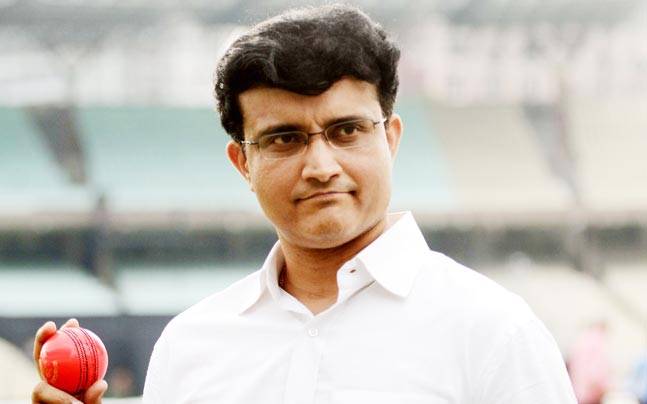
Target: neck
{"x":310,"y":274}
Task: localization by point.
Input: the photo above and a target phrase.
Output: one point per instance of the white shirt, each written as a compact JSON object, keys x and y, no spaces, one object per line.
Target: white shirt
{"x":410,"y":326}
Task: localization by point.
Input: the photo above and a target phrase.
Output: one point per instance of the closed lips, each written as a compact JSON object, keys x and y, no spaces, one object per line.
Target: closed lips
{"x":323,"y":193}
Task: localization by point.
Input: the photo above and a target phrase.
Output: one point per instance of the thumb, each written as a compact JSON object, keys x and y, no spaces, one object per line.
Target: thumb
{"x":94,"y":394}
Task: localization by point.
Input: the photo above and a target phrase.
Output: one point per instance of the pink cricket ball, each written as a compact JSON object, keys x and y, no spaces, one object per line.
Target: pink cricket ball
{"x":73,"y":359}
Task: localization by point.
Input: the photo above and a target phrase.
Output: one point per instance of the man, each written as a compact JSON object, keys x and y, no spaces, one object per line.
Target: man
{"x":638,"y":379}
{"x":350,"y":305}
{"x":589,"y":365}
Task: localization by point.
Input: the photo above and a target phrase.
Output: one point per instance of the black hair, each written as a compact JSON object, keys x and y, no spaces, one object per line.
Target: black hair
{"x":306,"y":51}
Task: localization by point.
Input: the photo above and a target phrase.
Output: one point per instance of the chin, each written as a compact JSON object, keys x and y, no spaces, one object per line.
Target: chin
{"x":328,"y":233}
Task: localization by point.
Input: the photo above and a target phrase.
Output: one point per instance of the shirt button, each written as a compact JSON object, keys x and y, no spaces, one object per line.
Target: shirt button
{"x":313,"y":332}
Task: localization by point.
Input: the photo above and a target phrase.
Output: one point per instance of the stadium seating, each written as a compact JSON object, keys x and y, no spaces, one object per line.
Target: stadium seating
{"x":18,"y":374}
{"x":30,"y":180}
{"x":494,"y":161}
{"x":44,"y":289}
{"x":181,"y":285}
{"x":161,"y":159}
{"x":567,"y":301}
{"x":610,"y":142}
{"x":629,"y":281}
{"x":420,"y":177}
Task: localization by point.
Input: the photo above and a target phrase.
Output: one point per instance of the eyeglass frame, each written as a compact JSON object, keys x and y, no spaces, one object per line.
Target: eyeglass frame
{"x":310,"y":134}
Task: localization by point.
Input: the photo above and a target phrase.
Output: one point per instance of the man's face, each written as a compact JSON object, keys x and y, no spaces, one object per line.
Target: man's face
{"x":324,"y":197}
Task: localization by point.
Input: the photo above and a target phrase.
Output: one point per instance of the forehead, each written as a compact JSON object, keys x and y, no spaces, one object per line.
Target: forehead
{"x":262,"y":107}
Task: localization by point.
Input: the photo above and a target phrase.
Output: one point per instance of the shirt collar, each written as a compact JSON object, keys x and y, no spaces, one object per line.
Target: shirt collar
{"x":393,"y":260}
{"x":271,"y":269}
{"x":265,"y":280}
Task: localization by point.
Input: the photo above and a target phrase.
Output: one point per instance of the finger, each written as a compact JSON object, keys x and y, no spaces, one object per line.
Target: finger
{"x":44,"y":332}
{"x":71,"y":323}
{"x":43,"y":393}
{"x":95,"y":392}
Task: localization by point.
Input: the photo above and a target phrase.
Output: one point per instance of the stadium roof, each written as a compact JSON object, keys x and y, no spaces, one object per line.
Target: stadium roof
{"x":85,"y":22}
{"x":548,"y":11}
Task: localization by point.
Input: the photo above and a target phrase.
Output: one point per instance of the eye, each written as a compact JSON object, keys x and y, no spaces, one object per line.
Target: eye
{"x":285,"y":138}
{"x":348,"y":129}
{"x":281,"y":140}
{"x":349,"y":133}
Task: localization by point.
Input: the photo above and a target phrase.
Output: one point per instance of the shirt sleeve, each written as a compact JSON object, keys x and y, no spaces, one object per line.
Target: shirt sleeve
{"x":527,"y":367}
{"x":157,"y":373}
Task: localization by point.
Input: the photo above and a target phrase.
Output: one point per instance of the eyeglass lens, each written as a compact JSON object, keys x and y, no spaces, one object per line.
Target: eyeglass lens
{"x":343,"y":135}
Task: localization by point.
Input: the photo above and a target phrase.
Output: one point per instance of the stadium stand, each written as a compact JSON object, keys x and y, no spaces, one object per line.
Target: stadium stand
{"x":610,"y":142}
{"x":567,"y":301}
{"x":30,"y":180}
{"x":420,"y":181}
{"x":182,"y":285}
{"x":494,"y":161}
{"x":161,"y":160}
{"x":49,"y":289}
{"x":629,"y":281}
{"x":481,"y":178}
{"x":18,"y":373}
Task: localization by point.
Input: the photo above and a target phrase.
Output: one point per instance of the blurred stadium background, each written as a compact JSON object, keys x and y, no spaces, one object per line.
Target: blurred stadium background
{"x":523,"y":157}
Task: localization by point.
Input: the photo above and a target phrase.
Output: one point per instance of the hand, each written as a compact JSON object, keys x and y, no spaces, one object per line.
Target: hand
{"x":43,"y":393}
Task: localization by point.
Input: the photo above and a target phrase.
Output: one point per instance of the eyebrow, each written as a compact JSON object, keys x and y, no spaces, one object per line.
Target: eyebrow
{"x":291,"y":127}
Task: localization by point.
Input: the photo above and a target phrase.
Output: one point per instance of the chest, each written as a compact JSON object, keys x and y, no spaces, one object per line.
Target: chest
{"x":380,"y":355}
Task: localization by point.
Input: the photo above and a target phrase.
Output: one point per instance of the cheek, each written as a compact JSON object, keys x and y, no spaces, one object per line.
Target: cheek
{"x":380,"y":186}
{"x":374,"y":174}
{"x":273,"y":187}
{"x":266,"y":186}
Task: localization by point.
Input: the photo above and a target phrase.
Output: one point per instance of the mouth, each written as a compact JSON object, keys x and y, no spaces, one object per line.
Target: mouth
{"x":325,"y":195}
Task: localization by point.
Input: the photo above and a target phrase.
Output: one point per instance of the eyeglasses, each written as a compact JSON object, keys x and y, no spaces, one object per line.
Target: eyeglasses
{"x":341,"y":135}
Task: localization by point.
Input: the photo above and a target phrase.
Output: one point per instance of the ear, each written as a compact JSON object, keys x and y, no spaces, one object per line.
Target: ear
{"x":394,"y":130}
{"x":238,"y":159}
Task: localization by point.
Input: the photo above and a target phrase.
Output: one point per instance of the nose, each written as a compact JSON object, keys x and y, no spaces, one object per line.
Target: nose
{"x":320,"y":161}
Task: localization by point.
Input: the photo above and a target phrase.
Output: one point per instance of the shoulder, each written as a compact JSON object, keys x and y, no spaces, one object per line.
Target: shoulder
{"x":469,"y":294}
{"x":195,"y":328}
{"x":454,"y":281}
{"x":219,"y":306}
{"x":511,"y":352}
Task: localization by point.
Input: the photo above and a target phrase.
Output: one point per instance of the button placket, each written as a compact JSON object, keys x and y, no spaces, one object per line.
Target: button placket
{"x":303,"y":374}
